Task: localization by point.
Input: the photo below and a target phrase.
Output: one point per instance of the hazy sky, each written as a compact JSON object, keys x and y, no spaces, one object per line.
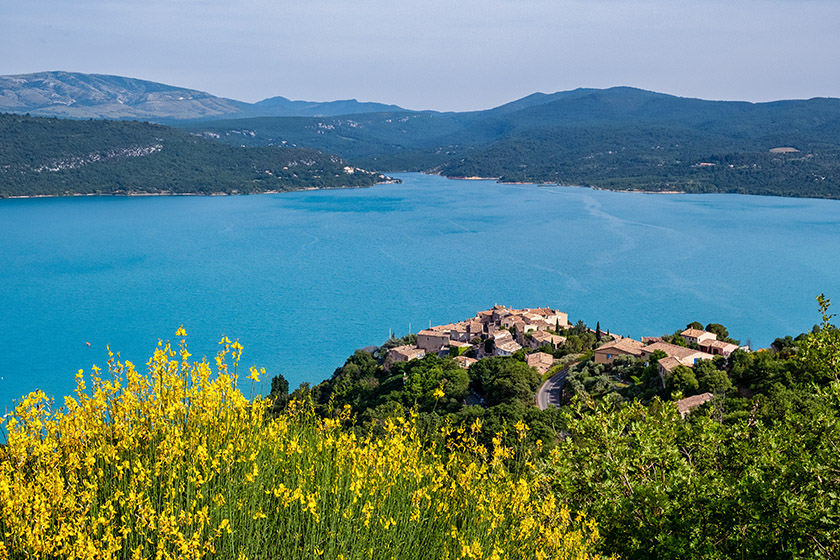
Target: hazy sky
{"x":446,"y":55}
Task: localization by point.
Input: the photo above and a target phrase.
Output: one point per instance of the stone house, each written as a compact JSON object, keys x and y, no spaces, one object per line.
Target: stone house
{"x":432,"y":341}
{"x":464,"y":361}
{"x":402,"y":354}
{"x":504,"y":343}
{"x":607,"y":353}
{"x":551,"y":316}
{"x":541,"y":338}
{"x":674,"y":356}
{"x":718,"y":347}
{"x":540,"y":361}
{"x":686,"y":356}
{"x":460,"y":347}
{"x":507,"y":348}
{"x":696,"y":336}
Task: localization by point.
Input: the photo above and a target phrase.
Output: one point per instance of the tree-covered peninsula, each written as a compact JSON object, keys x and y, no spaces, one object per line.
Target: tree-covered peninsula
{"x":58,"y":157}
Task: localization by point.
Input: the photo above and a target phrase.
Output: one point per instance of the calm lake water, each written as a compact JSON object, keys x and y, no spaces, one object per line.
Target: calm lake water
{"x":302,"y":279}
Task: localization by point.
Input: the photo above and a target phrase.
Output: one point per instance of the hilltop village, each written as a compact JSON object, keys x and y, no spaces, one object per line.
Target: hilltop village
{"x":503,"y":331}
{"x":684,"y":427}
{"x":534,"y":334}
{"x":506,"y":364}
{"x":499,"y":331}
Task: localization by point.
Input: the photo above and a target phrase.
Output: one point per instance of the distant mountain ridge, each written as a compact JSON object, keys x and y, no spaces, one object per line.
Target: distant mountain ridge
{"x":81,"y":96}
{"x":283,"y":107}
{"x":618,"y":138}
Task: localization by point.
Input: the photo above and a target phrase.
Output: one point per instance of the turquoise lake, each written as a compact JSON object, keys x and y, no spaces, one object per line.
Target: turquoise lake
{"x":302,"y":279}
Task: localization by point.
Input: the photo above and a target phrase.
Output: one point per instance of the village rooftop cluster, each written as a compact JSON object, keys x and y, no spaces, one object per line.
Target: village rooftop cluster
{"x":503,"y":331}
{"x":675,"y":355}
{"x":500,"y":331}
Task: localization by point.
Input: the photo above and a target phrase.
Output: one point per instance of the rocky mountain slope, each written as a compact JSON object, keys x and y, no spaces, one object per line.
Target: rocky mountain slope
{"x":82,"y":96}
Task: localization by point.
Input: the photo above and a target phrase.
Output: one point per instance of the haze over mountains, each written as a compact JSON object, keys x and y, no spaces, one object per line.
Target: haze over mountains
{"x":82,"y":96}
{"x":618,"y":138}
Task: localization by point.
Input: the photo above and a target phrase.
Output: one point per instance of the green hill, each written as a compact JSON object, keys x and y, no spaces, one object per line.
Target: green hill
{"x":48,"y":156}
{"x":618,"y":138}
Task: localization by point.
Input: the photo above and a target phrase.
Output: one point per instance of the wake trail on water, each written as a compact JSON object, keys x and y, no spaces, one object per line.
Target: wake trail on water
{"x":618,"y":226}
{"x":461,"y":226}
{"x":315,"y":241}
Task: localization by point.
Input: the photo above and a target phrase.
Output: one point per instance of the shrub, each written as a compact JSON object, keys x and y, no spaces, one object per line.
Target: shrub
{"x":179,"y":464}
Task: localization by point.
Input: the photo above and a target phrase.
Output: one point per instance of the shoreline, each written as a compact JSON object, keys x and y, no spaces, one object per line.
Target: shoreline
{"x":393,"y":181}
{"x":547,"y":184}
{"x":142,"y":194}
{"x":640,"y":191}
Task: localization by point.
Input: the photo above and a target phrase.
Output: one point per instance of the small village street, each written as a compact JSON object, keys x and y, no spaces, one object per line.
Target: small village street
{"x":549,"y":392}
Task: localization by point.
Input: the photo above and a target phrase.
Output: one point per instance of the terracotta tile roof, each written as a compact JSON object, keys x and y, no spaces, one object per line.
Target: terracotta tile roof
{"x":686,"y":405}
{"x":546,"y":338}
{"x":724,"y":346}
{"x":508,"y":346}
{"x":669,"y":363}
{"x":429,"y":332}
{"x":407,"y":352}
{"x":627,"y":345}
{"x":541,"y":325}
{"x":539,"y":358}
{"x":464,"y":361}
{"x":672,"y":350}
{"x":501,"y":335}
{"x":543,"y":311}
{"x":475,"y":326}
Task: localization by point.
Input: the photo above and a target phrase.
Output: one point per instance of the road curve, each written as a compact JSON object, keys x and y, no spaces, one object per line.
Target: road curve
{"x":549,"y":392}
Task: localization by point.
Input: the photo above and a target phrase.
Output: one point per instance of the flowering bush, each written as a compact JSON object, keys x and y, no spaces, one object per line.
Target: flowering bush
{"x":177,"y":463}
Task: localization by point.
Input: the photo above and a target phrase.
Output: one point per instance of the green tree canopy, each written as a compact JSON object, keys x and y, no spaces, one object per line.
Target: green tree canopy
{"x":711,"y":379}
{"x":504,"y":379}
{"x":683,"y":379}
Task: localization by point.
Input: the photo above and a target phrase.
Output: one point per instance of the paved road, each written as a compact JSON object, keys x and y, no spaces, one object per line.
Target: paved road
{"x":549,"y":392}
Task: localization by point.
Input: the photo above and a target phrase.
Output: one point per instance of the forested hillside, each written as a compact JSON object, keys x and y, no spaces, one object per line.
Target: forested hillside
{"x":52,"y":157}
{"x":620,"y":138}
